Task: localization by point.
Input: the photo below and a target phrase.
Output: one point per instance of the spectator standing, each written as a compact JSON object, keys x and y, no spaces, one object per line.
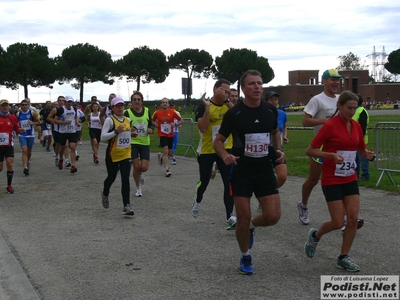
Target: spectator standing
{"x":362,"y":117}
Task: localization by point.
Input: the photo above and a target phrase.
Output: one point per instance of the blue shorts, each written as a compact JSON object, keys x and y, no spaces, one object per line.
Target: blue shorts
{"x":27,"y":141}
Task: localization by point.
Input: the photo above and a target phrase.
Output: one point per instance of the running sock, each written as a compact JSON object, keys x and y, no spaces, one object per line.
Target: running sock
{"x":10,"y":175}
{"x":251,"y":225}
{"x":245,"y":254}
{"x":342,"y":256}
{"x":314,"y":236}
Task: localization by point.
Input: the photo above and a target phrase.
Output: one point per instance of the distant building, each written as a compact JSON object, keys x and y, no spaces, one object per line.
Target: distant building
{"x":303,"y":84}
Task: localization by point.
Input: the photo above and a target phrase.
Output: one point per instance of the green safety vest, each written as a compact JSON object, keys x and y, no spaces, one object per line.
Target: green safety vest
{"x":141,"y":124}
{"x":356,"y":117}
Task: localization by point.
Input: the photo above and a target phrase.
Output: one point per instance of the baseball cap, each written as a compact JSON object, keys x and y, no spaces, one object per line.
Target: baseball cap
{"x":116,"y":101}
{"x":4,"y":101}
{"x":331,"y":73}
{"x":270,"y":94}
{"x":69,"y":98}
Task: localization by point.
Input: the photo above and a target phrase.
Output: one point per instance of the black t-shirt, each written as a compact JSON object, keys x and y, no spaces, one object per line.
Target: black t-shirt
{"x":44,"y":113}
{"x":241,"y":120}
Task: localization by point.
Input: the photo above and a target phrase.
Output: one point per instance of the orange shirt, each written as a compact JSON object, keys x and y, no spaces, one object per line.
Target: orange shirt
{"x":165,"y":118}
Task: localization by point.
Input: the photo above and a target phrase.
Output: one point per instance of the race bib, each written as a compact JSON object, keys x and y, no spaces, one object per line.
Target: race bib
{"x":166,"y":128}
{"x":141,"y":129}
{"x":215,"y":130}
{"x":347,"y":168}
{"x":124,"y":139}
{"x":256,"y":144}
{"x":25,"y":124}
{"x":4,"y":139}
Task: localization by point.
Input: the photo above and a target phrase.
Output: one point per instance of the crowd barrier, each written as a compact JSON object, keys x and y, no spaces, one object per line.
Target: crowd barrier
{"x":387,"y":148}
{"x":186,"y":135}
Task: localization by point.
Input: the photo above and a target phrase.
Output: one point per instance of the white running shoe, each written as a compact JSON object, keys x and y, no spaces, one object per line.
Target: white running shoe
{"x":303,"y":214}
{"x":127,"y":210}
{"x":139,"y":192}
{"x":196,"y":209}
{"x":231,"y":222}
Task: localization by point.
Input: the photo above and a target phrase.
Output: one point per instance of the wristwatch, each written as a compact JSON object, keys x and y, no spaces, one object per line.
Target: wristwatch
{"x":116,"y":131}
{"x":227,"y":101}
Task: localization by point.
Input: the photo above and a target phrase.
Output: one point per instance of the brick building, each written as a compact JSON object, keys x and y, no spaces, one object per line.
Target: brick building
{"x":303,"y":84}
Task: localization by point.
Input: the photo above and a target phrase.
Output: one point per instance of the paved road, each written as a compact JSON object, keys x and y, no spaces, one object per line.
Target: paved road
{"x":57,"y":241}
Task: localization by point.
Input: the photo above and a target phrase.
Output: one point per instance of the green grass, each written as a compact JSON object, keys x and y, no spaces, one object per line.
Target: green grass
{"x":297,"y":160}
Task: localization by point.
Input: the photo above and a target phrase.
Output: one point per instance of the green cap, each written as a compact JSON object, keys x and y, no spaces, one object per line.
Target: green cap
{"x":331,"y":73}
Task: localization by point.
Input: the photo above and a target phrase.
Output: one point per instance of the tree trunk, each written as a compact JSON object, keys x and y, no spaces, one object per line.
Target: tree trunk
{"x":25,"y":91}
{"x":81,"y":92}
{"x":238,"y":89}
{"x":138,"y":84}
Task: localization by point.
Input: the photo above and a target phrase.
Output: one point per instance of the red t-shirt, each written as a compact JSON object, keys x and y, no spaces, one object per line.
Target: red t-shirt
{"x":165,"y":119}
{"x":334,"y":136}
{"x":7,"y":125}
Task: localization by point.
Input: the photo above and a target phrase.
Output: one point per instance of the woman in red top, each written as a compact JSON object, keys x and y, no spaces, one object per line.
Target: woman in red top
{"x":339,"y":138}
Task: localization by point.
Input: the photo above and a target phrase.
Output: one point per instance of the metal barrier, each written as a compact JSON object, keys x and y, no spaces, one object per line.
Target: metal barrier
{"x":387,"y":135}
{"x":186,"y":135}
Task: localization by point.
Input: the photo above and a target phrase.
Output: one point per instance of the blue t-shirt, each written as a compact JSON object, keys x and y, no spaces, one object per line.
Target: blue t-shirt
{"x":282,"y":119}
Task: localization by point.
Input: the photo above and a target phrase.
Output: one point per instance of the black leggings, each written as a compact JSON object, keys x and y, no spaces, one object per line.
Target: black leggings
{"x":206,"y":162}
{"x":124,"y":166}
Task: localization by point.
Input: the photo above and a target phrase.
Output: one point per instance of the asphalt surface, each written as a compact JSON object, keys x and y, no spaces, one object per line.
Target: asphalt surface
{"x":58,"y":242}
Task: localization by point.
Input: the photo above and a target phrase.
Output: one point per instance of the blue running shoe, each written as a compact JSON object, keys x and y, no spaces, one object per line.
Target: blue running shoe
{"x":348,"y":264}
{"x":311,"y":243}
{"x":251,"y":238}
{"x":246,"y":268}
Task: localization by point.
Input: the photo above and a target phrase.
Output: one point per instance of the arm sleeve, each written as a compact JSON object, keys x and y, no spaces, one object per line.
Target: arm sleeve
{"x":107,"y":132}
{"x":312,"y":107}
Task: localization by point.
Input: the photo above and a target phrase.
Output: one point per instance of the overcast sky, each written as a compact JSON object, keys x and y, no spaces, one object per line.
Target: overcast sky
{"x":293,"y":35}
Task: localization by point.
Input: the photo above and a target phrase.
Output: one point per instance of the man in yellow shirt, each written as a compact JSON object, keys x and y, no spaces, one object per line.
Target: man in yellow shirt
{"x":209,"y":117}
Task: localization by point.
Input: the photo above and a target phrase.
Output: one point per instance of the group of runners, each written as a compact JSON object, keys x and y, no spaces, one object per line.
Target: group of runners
{"x":242,"y":139}
{"x":245,"y":142}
